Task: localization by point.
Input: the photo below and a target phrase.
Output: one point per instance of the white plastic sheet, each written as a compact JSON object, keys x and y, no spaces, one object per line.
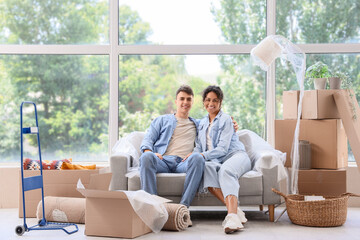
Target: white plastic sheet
{"x":264,"y":54}
{"x":130,"y":144}
{"x":150,"y":208}
{"x":262,"y":154}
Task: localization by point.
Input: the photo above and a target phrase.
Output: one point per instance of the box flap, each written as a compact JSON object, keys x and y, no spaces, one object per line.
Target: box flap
{"x":348,"y":107}
{"x":94,"y":193}
{"x":100,"y":181}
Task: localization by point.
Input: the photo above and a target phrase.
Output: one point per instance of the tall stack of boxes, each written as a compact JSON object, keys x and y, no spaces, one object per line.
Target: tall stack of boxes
{"x":321,"y":125}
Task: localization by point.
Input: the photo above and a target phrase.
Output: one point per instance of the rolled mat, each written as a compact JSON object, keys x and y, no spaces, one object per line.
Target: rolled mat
{"x":62,"y":209}
{"x":179,"y":217}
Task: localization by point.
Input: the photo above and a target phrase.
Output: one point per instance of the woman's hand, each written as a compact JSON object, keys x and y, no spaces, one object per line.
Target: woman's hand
{"x":236,"y":126}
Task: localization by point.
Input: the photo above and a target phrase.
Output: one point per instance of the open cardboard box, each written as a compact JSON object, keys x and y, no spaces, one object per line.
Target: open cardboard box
{"x":109,"y":213}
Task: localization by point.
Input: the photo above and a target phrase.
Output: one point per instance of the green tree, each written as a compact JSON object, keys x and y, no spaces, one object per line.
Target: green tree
{"x":71,"y":92}
{"x":242,"y":22}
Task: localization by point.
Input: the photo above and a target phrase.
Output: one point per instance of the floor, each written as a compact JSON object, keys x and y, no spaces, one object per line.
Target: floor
{"x":206,"y":225}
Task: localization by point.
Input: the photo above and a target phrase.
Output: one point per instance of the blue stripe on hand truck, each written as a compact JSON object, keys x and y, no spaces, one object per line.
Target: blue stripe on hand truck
{"x":31,"y":183}
{"x":30,"y":130}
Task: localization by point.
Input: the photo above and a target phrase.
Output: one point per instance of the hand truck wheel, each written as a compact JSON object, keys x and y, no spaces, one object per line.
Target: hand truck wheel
{"x":42,"y":222}
{"x":20,"y":230}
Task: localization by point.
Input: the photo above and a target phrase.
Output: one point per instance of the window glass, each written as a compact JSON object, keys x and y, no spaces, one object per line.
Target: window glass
{"x":347,"y":63}
{"x":148,"y":84}
{"x":54,"y":22}
{"x":72,"y":97}
{"x":191,"y":22}
{"x":318,"y":21}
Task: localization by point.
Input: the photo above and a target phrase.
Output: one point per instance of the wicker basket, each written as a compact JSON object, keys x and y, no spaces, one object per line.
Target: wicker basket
{"x":330,"y":212}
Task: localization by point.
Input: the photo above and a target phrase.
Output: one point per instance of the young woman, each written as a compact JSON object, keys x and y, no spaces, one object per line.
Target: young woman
{"x":225,"y":157}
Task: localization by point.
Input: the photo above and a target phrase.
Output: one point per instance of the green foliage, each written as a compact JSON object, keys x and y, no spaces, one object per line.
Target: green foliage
{"x":318,"y":70}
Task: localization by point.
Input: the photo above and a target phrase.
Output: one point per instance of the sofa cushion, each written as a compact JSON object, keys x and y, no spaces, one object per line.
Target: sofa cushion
{"x":172,"y":184}
{"x":251,"y":184}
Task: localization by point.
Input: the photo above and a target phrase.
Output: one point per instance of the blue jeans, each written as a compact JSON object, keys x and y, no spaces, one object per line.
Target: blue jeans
{"x":193,"y":166}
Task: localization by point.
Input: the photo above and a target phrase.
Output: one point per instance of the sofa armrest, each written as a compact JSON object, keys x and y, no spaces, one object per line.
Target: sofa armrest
{"x":119,"y":166}
{"x":270,"y":180}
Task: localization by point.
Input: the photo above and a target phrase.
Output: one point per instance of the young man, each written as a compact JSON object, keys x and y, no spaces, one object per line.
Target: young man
{"x":169,"y":140}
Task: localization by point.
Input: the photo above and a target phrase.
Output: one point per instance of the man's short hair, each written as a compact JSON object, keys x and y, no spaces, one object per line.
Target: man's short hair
{"x":185,"y":88}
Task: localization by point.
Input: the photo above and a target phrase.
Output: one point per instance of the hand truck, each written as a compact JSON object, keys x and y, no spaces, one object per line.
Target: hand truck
{"x":36,"y":182}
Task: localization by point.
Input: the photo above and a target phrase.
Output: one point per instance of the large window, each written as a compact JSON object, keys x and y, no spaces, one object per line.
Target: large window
{"x":100,"y":69}
{"x":191,"y":22}
{"x":318,"y":21}
{"x":148,"y":84}
{"x":72,"y":97}
{"x":54,"y":22}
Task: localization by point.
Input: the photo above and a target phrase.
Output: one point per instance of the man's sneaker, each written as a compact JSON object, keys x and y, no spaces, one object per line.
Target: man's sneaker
{"x":241,"y":215}
{"x":232,"y":223}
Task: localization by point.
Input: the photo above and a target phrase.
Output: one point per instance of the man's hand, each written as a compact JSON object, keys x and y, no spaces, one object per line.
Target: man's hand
{"x":189,"y":156}
{"x":236,"y":126}
{"x":159,"y":156}
{"x":186,"y":157}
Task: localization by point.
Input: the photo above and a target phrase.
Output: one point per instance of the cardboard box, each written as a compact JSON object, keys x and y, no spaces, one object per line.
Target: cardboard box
{"x":327,"y":138}
{"x":59,"y":183}
{"x":109,"y":213}
{"x":349,"y":110}
{"x":322,"y":182}
{"x":319,"y":104}
{"x":290,"y":104}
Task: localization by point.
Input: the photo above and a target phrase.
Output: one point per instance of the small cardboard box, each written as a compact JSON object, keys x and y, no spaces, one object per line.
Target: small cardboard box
{"x":350,"y":114}
{"x":109,"y":213}
{"x":290,"y":104}
{"x":319,"y":104}
{"x":327,"y":138}
{"x":322,"y":182}
{"x":58,"y":183}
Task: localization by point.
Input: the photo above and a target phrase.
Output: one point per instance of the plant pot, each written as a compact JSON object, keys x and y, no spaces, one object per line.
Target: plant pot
{"x":320,"y":83}
{"x":335,"y":82}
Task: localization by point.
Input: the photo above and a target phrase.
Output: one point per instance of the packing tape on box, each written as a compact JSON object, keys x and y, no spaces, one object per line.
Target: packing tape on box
{"x":179,"y":217}
{"x":62,"y":209}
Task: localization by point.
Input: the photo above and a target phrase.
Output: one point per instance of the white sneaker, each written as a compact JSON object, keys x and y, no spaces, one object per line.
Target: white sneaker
{"x":232,"y":223}
{"x":241,"y":215}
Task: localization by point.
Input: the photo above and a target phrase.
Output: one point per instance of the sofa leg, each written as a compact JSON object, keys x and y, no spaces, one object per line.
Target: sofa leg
{"x":271,"y":212}
{"x":261,"y":207}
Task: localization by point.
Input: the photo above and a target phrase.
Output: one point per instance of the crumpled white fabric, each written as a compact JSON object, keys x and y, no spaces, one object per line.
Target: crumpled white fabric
{"x":150,"y":208}
{"x":130,"y":144}
{"x":262,"y":154}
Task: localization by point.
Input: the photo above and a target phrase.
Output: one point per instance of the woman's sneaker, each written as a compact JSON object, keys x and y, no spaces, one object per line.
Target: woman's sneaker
{"x":232,"y":223}
{"x":241,"y":215}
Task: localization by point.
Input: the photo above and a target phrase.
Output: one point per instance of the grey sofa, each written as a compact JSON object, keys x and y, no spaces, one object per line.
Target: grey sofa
{"x":255,"y":185}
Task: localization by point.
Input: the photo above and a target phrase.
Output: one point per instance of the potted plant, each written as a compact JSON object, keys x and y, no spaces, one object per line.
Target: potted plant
{"x":319,"y":72}
{"x":336,"y":79}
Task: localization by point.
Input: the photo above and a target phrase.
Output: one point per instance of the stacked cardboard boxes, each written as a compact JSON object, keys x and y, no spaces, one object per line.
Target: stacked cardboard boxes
{"x":321,"y":125}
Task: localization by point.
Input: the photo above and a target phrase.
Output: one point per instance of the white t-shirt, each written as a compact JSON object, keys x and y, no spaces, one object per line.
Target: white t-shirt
{"x":209,"y":145}
{"x":182,"y":141}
